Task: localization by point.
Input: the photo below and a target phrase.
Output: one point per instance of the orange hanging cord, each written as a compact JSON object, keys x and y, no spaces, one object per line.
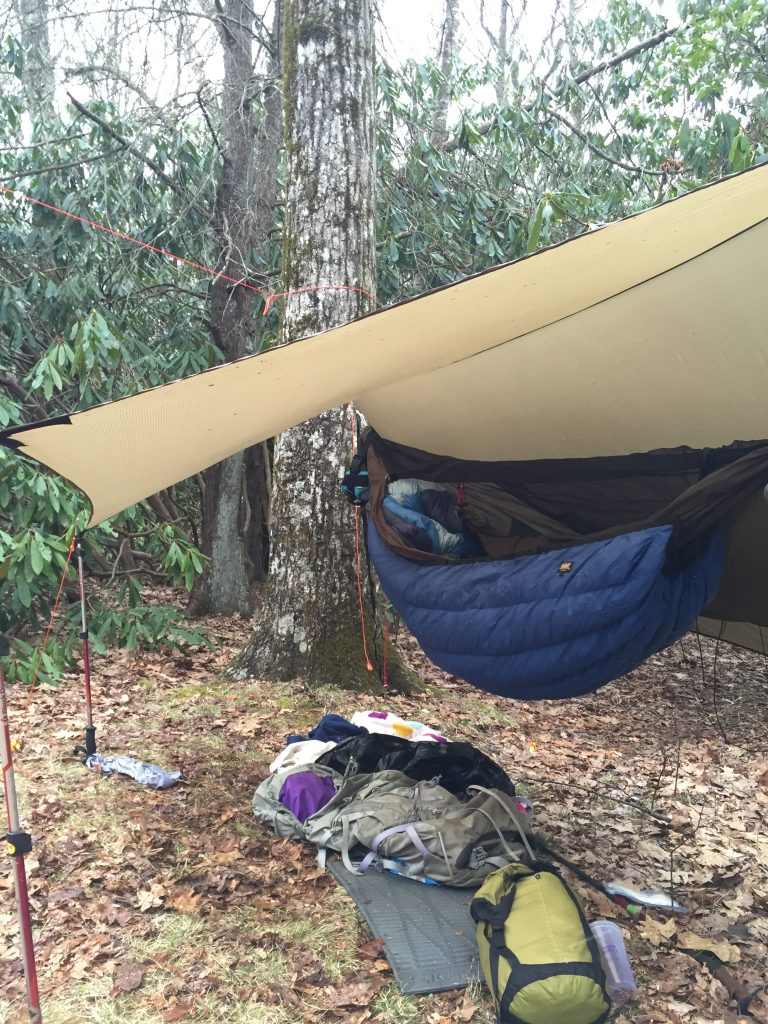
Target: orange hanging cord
{"x":384,"y":660}
{"x":368,"y":663}
{"x":358,"y":561}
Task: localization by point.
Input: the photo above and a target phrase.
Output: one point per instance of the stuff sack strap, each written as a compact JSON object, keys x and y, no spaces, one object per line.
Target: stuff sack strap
{"x":513,"y":815}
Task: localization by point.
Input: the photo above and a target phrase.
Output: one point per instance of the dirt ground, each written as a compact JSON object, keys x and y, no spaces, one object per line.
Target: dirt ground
{"x":176,"y":905}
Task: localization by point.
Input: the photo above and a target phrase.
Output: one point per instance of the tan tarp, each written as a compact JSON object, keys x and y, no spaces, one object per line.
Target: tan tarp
{"x":649,"y":333}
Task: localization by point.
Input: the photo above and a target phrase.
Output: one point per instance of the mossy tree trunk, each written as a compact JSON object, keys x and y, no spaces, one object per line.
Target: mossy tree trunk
{"x":309,"y":627}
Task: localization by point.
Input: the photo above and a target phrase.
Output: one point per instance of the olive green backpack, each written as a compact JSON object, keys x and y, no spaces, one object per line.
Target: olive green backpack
{"x":536,"y":950}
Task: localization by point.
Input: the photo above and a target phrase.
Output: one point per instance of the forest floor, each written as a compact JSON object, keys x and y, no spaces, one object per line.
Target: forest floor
{"x":176,"y":905}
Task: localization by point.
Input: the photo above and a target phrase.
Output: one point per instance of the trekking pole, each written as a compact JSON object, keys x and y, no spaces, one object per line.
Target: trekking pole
{"x":18,"y":844}
{"x":90,"y":729}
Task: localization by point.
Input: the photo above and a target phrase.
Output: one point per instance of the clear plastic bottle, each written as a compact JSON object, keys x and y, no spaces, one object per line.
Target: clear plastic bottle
{"x":620,"y":981}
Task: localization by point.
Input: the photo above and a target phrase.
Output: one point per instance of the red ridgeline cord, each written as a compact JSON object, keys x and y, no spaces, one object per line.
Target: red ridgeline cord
{"x":269,"y":296}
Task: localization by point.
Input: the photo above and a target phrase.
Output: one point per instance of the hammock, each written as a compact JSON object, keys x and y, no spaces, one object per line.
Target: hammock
{"x":588,"y":566}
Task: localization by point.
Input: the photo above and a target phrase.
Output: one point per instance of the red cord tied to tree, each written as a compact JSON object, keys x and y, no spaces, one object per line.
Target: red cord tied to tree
{"x":269,"y":297}
{"x":316,"y":288}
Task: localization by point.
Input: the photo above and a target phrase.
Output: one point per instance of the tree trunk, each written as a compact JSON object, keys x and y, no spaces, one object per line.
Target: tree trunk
{"x":502,"y":54}
{"x":446,"y":58}
{"x":310,"y":626}
{"x":37,"y":76}
{"x":236,"y":492}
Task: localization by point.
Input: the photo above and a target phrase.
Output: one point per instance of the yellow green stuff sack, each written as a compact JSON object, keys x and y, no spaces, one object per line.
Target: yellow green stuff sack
{"x":536,"y":950}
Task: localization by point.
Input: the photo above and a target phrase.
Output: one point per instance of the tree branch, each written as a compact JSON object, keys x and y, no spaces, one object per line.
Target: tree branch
{"x":62,"y":167}
{"x":207,"y":118}
{"x":633,"y":51}
{"x":119,"y":76}
{"x":596,"y":149}
{"x":43,"y":142}
{"x":15,"y":389}
{"x":153,"y":289}
{"x":152,"y":164}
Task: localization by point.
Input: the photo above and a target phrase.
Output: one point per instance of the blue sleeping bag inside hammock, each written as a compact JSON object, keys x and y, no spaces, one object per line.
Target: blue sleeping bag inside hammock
{"x":551,"y":625}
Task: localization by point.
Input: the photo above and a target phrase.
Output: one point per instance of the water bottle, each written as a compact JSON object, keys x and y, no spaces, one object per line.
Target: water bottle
{"x":620,"y":982}
{"x":525,"y":806}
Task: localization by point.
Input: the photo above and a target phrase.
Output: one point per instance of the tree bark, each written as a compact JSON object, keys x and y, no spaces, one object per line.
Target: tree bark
{"x":37,"y":76}
{"x":446,"y":58}
{"x":309,"y":627}
{"x":236,"y":493}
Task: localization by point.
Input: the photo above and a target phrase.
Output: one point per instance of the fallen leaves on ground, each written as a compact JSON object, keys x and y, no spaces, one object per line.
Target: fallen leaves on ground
{"x":128,"y":977}
{"x":179,"y":906}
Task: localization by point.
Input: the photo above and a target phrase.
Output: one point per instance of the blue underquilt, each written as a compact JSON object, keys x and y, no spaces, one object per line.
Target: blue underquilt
{"x":523,"y":628}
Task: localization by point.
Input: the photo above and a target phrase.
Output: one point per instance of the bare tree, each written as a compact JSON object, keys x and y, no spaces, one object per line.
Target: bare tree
{"x":235,"y":503}
{"x":445,"y":60}
{"x":37,"y":74}
{"x":508,"y":27}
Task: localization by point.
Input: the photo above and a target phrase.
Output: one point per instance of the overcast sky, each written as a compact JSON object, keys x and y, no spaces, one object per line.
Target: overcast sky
{"x":408,"y":29}
{"x":411,"y":28}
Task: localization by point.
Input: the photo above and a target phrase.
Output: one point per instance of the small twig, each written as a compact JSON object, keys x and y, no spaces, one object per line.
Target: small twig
{"x":110,"y":576}
{"x":119,"y":556}
{"x":662,"y":773}
{"x":720,"y":725}
{"x":597,"y":150}
{"x":33,"y":172}
{"x":676,"y":847}
{"x":677,"y":762}
{"x":162,"y":286}
{"x":207,"y":118}
{"x":44,"y":142}
{"x":601,"y":792}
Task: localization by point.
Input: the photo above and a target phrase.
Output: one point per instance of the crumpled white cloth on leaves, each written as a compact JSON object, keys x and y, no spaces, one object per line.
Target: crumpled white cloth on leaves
{"x":389,"y":724}
{"x":302,"y":752}
{"x":147,"y":774}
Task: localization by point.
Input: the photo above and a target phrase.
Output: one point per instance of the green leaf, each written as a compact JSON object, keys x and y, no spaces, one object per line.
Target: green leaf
{"x":35,"y":554}
{"x":534,"y":231}
{"x":23,"y":592}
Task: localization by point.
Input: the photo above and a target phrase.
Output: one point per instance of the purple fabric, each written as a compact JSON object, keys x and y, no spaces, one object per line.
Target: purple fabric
{"x":304,"y":793}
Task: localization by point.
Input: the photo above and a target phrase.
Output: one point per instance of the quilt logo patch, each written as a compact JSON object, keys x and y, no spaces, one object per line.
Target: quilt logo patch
{"x":565,"y":567}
